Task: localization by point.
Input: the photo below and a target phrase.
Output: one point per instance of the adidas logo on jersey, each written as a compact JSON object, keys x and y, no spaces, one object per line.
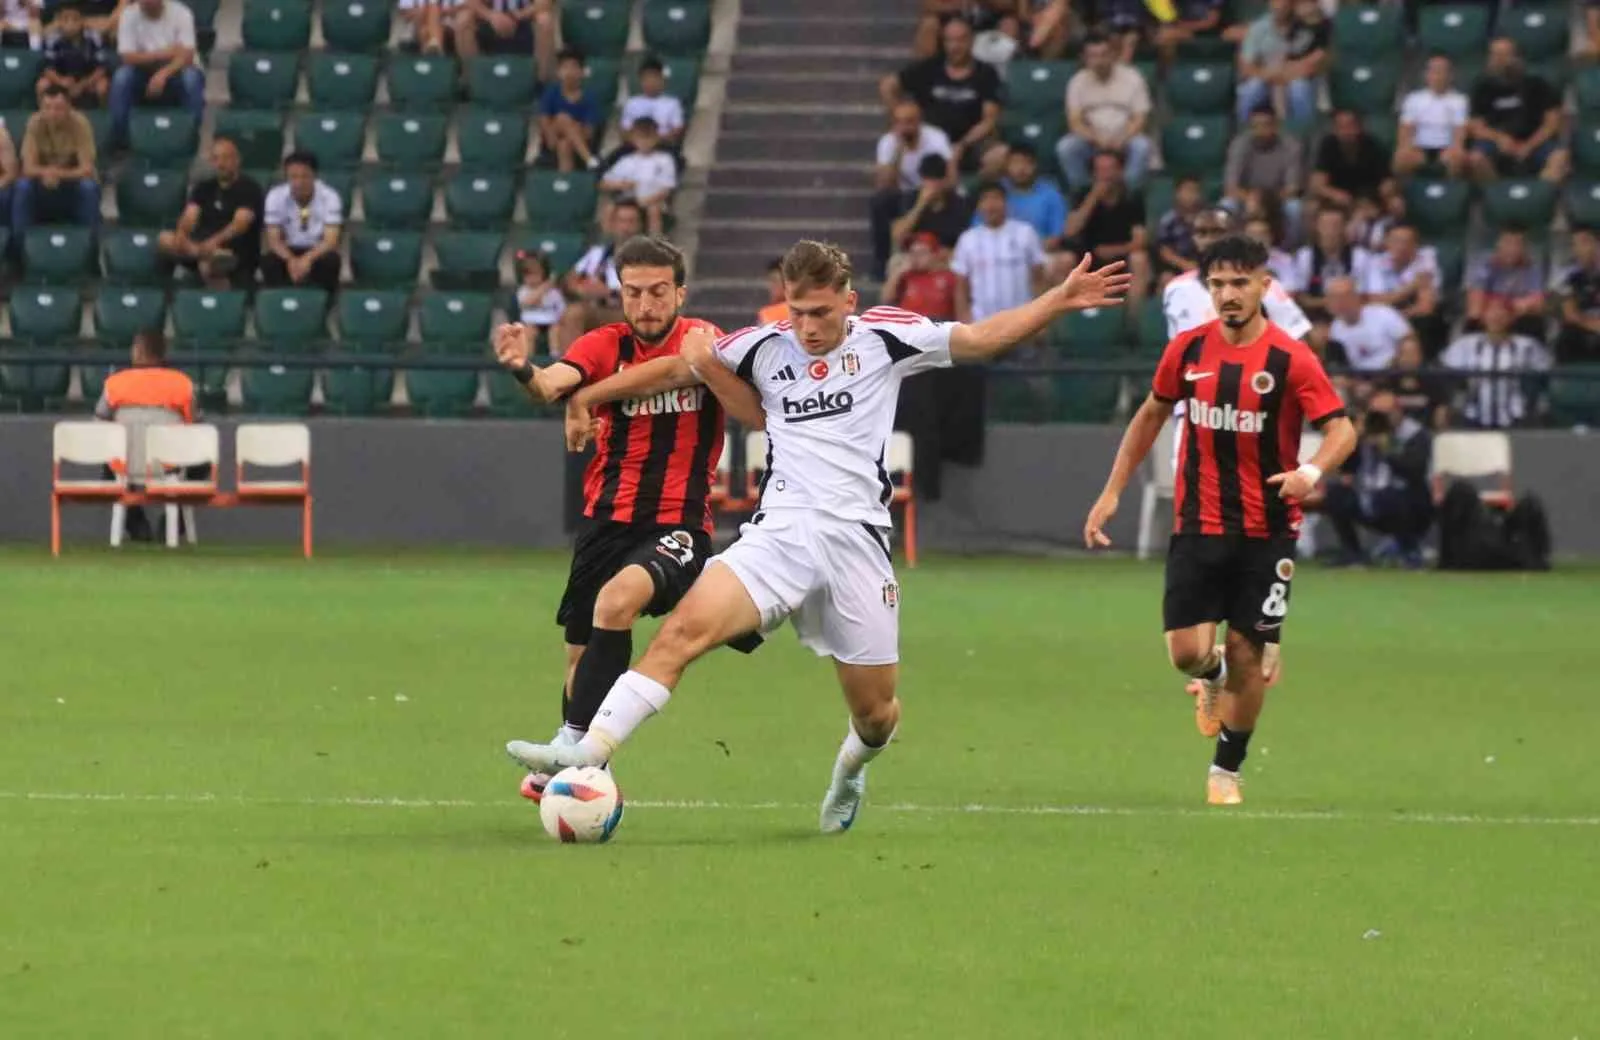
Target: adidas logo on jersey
{"x":1226,"y":418}
{"x":819,"y":405}
{"x":784,"y":375}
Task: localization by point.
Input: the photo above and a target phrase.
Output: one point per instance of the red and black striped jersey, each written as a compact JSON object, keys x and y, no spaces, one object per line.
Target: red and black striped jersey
{"x":1245,"y":406}
{"x":655,"y":456}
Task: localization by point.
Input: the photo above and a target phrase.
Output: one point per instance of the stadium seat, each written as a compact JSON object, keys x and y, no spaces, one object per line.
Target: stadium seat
{"x":46,"y":316}
{"x":356,"y":25}
{"x":1586,"y":147}
{"x":263,"y":452}
{"x":130,"y":257}
{"x":1582,"y":202}
{"x":120,"y":314}
{"x":1453,"y":29}
{"x":410,"y":139}
{"x":335,"y":138}
{"x":91,"y":446}
{"x":479,"y":199}
{"x":1527,"y":203}
{"x":343,"y":183}
{"x":468,"y":260}
{"x":1094,"y":333}
{"x":396,"y":199}
{"x":1201,"y":89}
{"x":676,"y":27}
{"x":598,"y":28}
{"x":1586,"y":88}
{"x":680,"y":76}
{"x":1540,"y":30}
{"x":1038,"y":87}
{"x":19,"y":71}
{"x":1152,"y":338}
{"x":441,"y":392}
{"x":1369,"y":31}
{"x":427,"y":82}
{"x":490,"y":139}
{"x":1575,"y":395}
{"x":1438,"y":207}
{"x":277,"y":25}
{"x":502,"y":82}
{"x":262,"y":79}
{"x":276,"y":389}
{"x":100,"y":125}
{"x":341,"y":81}
{"x":349,"y":390}
{"x":455,"y":322}
{"x":562,"y":247}
{"x":1365,"y":87}
{"x":1039,"y":132}
{"x":372,"y":318}
{"x":560,"y":201}
{"x":1194,"y":144}
{"x":210,"y":319}
{"x":163,"y":137}
{"x":151,"y":198}
{"x":1451,"y":256}
{"x":58,"y":254}
{"x":37,"y":386}
{"x":205,"y":25}
{"x":292,"y":320}
{"x":600,"y":80}
{"x":385,"y":258}
{"x":259,"y":134}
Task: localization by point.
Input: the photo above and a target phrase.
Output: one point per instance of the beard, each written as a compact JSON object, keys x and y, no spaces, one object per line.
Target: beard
{"x":1240,"y":318}
{"x":659,"y":334}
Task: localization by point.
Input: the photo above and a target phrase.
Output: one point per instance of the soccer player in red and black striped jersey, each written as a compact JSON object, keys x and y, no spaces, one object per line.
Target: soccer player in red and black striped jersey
{"x":647,"y":527}
{"x":1248,"y":388}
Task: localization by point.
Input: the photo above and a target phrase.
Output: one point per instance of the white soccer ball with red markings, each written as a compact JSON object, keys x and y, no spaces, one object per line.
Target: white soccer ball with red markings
{"x":581,"y":805}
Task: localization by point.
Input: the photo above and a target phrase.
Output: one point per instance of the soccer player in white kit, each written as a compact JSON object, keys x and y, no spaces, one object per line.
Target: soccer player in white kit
{"x":817,"y":551}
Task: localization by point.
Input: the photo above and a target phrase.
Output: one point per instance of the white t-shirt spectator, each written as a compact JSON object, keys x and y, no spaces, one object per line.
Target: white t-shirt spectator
{"x":998,"y":264}
{"x":666,"y":110}
{"x":930,"y":141}
{"x":1382,"y":277}
{"x":651,"y":173}
{"x":541,"y":310}
{"x":303,"y":224}
{"x":1434,"y":118}
{"x":15,"y":16}
{"x":1371,"y":341}
{"x":1109,"y":105}
{"x":139,"y":34}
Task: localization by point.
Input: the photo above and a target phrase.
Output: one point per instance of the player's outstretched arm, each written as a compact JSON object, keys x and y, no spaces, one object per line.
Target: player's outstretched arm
{"x":1142,"y":431}
{"x":1083,"y":289}
{"x":513,"y":346}
{"x":739,"y":399}
{"x":643,"y":380}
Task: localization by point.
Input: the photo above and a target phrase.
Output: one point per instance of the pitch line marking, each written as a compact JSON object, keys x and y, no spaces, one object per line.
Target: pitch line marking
{"x":1293,"y":815}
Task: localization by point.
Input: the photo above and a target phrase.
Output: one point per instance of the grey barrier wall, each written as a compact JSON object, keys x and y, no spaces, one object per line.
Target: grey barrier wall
{"x":502,"y":483}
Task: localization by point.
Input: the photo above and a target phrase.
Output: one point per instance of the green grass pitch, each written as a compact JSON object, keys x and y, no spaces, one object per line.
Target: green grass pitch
{"x":244,"y":796}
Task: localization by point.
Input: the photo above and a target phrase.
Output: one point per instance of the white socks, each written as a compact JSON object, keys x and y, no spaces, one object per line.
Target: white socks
{"x":855,"y":753}
{"x":633,"y":698}
{"x":569,"y":734}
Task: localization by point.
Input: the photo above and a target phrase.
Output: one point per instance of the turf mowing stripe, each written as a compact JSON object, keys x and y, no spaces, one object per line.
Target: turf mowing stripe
{"x":1314,"y":815}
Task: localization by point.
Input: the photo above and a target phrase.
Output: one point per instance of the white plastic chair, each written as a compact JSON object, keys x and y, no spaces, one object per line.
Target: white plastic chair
{"x":1474,"y":454}
{"x":96,"y":444}
{"x":168,"y":450}
{"x":276,"y":446}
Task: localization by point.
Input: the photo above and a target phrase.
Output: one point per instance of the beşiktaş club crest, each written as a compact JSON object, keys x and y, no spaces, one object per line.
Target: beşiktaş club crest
{"x":852,"y":363}
{"x":818,"y":369}
{"x":1262,"y":382}
{"x":891,"y":594}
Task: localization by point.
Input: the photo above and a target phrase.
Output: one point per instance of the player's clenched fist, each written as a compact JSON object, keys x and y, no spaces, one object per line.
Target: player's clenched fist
{"x":1094,"y":535}
{"x":513,"y":345}
{"x":698,"y":348}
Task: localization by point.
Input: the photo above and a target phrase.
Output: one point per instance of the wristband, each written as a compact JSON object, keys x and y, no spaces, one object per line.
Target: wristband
{"x":1313,"y":472}
{"x":524,"y":372}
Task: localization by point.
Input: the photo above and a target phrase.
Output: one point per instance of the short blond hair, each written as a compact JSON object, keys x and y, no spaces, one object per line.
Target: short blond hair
{"x":817,"y":265}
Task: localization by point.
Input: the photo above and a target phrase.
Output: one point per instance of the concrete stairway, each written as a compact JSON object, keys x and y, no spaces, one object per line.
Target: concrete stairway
{"x":795,"y":147}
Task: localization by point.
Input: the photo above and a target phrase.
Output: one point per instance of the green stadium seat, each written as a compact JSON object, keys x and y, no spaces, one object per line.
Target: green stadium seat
{"x":335,"y":138}
{"x":277,"y":25}
{"x":1586,"y":147}
{"x":19,"y":71}
{"x":343,"y":183}
{"x":441,"y":392}
{"x":1582,"y":202}
{"x":259,"y":134}
{"x":468,"y":260}
{"x":396,"y":199}
{"x":1038,"y":88}
{"x":455,"y":322}
{"x":58,"y":254}
{"x":36,"y":385}
{"x":100,"y":125}
{"x":163,"y":137}
{"x":479,"y":199}
{"x":276,"y":389}
{"x":1365,"y":87}
{"x":346,"y":82}
{"x":263,"y":79}
{"x":46,"y":316}
{"x":562,"y":247}
{"x":372,"y":318}
{"x":1451,"y":254}
{"x":120,"y":314}
{"x":1201,"y":89}
{"x":411,"y":139}
{"x":502,"y":82}
{"x":385,"y":258}
{"x":209,"y":319}
{"x":1083,"y":397}
{"x":490,"y":139}
{"x":151,"y":198}
{"x":560,"y":201}
{"x":601,"y":80}
{"x":676,"y":27}
{"x":1039,"y":132}
{"x":1369,"y":31}
{"x":598,"y":28}
{"x":356,"y":25}
{"x":294,"y":320}
{"x":1526,"y":202}
{"x":1194,"y":144}
{"x":1152,"y":338}
{"x":130,"y":256}
{"x":1453,"y":29}
{"x":15,"y":120}
{"x":356,"y":391}
{"x":1540,"y":30}
{"x":1575,"y":395}
{"x":1094,"y":333}
{"x":427,"y":81}
{"x":92,"y":380}
{"x":1437,"y":207}
{"x":680,"y":76}
{"x":1586,"y":87}
{"x":205,"y":13}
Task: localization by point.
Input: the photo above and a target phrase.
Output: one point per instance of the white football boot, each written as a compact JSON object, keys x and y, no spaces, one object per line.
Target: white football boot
{"x":842,"y":802}
{"x":551,"y":758}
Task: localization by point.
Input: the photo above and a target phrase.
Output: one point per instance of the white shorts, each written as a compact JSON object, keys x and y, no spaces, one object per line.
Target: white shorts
{"x":831,"y":577}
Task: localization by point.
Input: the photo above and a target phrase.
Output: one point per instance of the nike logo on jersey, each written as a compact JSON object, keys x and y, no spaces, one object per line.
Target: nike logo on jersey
{"x":784,"y":375}
{"x":820,"y":405}
{"x":1263,"y":627}
{"x":1195,"y":377}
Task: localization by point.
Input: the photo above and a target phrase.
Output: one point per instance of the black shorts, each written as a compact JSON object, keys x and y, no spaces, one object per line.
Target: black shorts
{"x":519,"y":42}
{"x":1242,"y":581}
{"x":673,"y":557}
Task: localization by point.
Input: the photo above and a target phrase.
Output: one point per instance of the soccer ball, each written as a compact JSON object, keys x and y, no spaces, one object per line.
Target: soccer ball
{"x":581,"y":805}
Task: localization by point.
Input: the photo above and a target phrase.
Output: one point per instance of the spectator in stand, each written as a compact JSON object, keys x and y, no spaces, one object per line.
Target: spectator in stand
{"x":1108,"y":221}
{"x":1433,"y":125}
{"x":1035,"y":202}
{"x":1511,"y":390}
{"x":1280,"y":264}
{"x":1192,"y":20}
{"x":1267,"y":75}
{"x":1264,"y":161}
{"x":937,"y":208}
{"x":101,"y":16}
{"x":58,"y":169}
{"x":592,"y":285}
{"x":1175,"y":248}
{"x":304,"y":219}
{"x":1512,"y":276}
{"x":1578,"y":286}
{"x":76,"y":59}
{"x":987,"y":17}
{"x":645,"y":175}
{"x":898,"y":175}
{"x":1590,"y":47}
{"x":1423,"y":396}
{"x":1384,"y":486}
{"x":526,"y":27}
{"x":1000,"y":262}
{"x":1310,"y":39}
{"x":653,"y":102}
{"x":924,"y":284}
{"x":1370,"y":333}
{"x":777,"y":308}
{"x":219,"y":233}
{"x":1515,"y":120}
{"x":1108,"y":104}
{"x":958,"y":94}
{"x":997,"y":46}
{"x":568,"y":118}
{"x":539,"y":300}
{"x":16,"y":24}
{"x":431,"y":26}
{"x":8,"y":174}
{"x":1330,"y":254}
{"x":156,"y":50}
{"x":1405,"y":276}
{"x":1352,"y":167}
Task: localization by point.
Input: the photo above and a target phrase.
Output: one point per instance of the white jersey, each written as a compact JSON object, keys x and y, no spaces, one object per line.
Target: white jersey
{"x":829,"y":417}
{"x":1187,"y":305}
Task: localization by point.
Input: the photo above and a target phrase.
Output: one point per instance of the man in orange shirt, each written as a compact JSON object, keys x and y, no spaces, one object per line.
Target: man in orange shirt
{"x":776,"y":309}
{"x":147,"y":393}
